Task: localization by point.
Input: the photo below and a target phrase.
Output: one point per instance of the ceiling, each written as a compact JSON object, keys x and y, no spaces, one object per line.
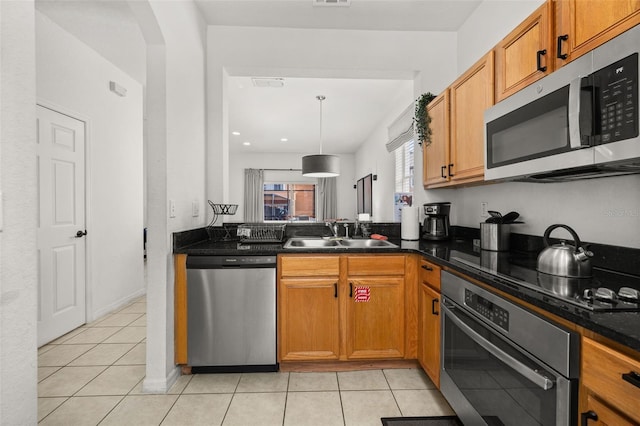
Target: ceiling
{"x":263,"y":116}
{"x":397,"y":15}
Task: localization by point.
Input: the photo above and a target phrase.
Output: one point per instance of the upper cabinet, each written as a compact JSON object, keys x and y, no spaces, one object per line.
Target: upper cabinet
{"x":436,"y":154}
{"x":581,"y":26}
{"x":526,"y":54}
{"x":471,"y":94}
{"x":456,"y":153}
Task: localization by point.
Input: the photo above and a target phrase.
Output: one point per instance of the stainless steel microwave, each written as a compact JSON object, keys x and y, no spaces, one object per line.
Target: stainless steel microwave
{"x":579,"y":122}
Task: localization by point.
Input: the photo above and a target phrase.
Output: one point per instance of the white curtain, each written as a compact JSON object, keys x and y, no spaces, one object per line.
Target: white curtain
{"x":253,"y":195}
{"x":401,"y":130}
{"x":327,"y":199}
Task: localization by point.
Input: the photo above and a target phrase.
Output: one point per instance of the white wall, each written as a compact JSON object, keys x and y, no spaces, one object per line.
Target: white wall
{"x":174,"y":32}
{"x":600,"y":210}
{"x":75,"y":78}
{"x":426,"y":57}
{"x":18,"y":263}
{"x":373,"y":157}
{"x":240,"y":161}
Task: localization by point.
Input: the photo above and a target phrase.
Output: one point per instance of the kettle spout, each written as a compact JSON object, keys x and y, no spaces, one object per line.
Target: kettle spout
{"x":583,"y":255}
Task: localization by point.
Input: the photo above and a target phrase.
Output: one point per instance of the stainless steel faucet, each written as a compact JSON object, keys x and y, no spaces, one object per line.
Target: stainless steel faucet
{"x":333,"y":227}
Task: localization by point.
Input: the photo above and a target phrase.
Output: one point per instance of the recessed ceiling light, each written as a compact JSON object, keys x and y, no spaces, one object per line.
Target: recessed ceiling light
{"x":284,"y":140}
{"x":235,"y":133}
{"x":246,"y":143}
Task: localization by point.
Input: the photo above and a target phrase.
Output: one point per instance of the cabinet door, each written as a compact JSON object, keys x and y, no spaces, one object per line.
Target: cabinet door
{"x":525,"y":55}
{"x":375,"y":325}
{"x":308,"y":319}
{"x":436,"y":154}
{"x":471,"y":94}
{"x":429,"y":346}
{"x":588,"y":24}
{"x":604,"y":416}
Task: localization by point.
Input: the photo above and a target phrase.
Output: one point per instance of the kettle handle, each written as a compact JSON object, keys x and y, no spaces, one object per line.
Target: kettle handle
{"x":576,"y":239}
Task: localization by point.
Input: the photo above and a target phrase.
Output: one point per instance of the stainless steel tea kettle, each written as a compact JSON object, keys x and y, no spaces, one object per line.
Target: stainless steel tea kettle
{"x":564,"y":260}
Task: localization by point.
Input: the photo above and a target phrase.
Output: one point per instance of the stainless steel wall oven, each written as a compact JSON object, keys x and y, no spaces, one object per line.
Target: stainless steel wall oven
{"x":504,"y":365}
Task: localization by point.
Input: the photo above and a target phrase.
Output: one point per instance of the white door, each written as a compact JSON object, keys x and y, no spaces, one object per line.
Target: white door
{"x":61,"y":228}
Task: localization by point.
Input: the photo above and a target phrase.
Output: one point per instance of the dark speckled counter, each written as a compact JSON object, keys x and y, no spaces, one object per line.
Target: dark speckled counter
{"x":622,"y":327}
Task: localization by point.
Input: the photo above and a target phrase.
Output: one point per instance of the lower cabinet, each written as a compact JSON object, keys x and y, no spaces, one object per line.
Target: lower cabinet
{"x":610,"y":383}
{"x":345,"y":312}
{"x":375,"y":328}
{"x":309,"y":327}
{"x":429,"y":320}
{"x":429,"y":333}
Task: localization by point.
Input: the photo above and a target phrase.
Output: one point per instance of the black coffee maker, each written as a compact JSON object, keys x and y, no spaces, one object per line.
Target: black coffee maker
{"x":436,"y":221}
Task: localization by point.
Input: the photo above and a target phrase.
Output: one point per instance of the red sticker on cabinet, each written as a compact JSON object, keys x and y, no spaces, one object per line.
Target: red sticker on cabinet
{"x":362,"y":294}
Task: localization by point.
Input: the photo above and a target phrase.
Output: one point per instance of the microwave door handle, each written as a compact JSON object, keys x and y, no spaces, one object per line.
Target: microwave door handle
{"x":574,"y":113}
{"x":540,"y":380}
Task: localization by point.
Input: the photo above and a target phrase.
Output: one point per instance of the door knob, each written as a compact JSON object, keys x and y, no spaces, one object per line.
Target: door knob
{"x":81,"y":234}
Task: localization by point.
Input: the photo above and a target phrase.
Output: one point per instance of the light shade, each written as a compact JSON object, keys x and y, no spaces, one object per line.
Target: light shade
{"x":321,"y":165}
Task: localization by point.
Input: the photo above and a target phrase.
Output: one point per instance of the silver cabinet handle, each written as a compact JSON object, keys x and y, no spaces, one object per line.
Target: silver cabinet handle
{"x":530,"y":374}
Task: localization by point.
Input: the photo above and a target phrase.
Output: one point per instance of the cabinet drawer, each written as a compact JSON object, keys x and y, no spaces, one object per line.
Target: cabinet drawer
{"x":375,"y":265}
{"x":430,"y":274}
{"x":602,"y":372}
{"x":309,"y":266}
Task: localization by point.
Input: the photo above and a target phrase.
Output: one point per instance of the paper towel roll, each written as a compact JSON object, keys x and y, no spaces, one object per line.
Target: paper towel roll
{"x":410,"y":227}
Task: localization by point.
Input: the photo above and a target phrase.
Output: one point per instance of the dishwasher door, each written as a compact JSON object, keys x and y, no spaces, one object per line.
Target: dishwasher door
{"x":231,"y":305}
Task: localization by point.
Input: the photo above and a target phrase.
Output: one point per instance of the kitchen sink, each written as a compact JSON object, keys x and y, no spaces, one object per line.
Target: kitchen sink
{"x":369,"y":243}
{"x":310,"y":243}
{"x":322,"y":243}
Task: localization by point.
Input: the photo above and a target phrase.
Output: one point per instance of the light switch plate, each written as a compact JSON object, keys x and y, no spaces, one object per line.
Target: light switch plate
{"x":195,"y":208}
{"x":172,"y":208}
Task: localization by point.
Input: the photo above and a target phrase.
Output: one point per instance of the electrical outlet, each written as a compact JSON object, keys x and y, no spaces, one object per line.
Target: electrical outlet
{"x":195,"y":208}
{"x":484,"y":207}
{"x":172,"y":208}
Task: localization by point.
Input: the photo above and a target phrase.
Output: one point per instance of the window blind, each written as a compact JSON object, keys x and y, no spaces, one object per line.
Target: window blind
{"x":401,"y":130}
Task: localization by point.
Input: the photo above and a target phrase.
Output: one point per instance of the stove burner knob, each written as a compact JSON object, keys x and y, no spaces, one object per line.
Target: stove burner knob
{"x":587,"y":294}
{"x":606,"y":295}
{"x":629,"y":294}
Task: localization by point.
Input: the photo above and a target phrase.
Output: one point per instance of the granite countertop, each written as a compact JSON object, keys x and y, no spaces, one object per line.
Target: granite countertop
{"x":622,"y":327}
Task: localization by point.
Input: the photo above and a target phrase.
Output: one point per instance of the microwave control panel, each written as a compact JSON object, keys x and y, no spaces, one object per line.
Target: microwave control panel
{"x":489,"y":310}
{"x":618,"y":99}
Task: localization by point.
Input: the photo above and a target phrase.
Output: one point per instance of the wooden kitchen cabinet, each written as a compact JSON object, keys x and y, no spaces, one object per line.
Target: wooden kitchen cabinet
{"x":429,"y":320}
{"x":308,"y":316}
{"x":308,"y":307}
{"x":355,"y":311}
{"x":606,"y":394}
{"x":436,"y":154}
{"x":376,"y":324}
{"x":526,"y":54}
{"x":581,"y":25}
{"x":471,"y":94}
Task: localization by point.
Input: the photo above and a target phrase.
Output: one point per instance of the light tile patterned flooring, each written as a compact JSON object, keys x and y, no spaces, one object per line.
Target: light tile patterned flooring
{"x":93,"y":375}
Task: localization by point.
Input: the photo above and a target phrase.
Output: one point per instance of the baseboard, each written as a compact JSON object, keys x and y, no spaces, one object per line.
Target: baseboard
{"x":115,"y":305}
{"x":161,"y":386}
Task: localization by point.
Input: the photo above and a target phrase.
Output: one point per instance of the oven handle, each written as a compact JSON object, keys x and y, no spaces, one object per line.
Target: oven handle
{"x":530,"y":374}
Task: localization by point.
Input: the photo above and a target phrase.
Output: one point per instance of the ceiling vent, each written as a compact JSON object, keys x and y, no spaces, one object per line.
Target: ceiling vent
{"x":343,"y":3}
{"x":267,"y":82}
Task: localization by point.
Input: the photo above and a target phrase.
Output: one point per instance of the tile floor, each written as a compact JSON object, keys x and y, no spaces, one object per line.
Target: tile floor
{"x":93,"y":375}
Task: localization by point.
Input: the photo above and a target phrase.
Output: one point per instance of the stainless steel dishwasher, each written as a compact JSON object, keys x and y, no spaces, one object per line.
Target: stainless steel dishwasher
{"x":231,"y":305}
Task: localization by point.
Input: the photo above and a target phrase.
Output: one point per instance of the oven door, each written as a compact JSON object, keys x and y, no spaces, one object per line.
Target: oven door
{"x":489,"y":381}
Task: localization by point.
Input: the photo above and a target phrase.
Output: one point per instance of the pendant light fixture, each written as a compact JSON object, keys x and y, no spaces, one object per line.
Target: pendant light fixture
{"x":321,"y":165}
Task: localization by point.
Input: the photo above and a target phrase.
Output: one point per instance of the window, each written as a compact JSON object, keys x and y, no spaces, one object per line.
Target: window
{"x":289,"y":201}
{"x":404,"y":167}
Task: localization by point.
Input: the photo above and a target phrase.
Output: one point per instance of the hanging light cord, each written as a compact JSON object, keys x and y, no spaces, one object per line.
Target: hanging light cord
{"x":320,"y":98}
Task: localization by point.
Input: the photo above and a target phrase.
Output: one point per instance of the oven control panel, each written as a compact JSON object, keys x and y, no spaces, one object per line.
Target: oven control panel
{"x":489,"y":310}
